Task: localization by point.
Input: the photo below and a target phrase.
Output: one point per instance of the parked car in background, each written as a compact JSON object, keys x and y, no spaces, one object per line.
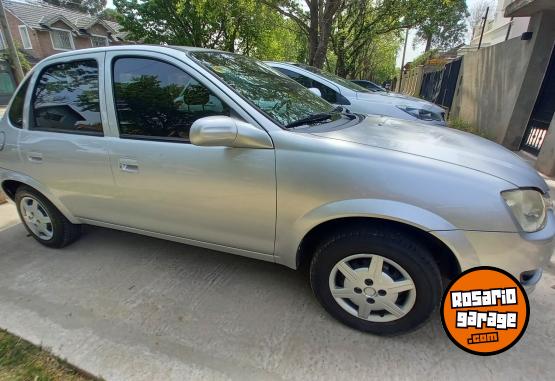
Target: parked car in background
{"x":368,"y":85}
{"x":342,"y":92}
{"x":218,"y":150}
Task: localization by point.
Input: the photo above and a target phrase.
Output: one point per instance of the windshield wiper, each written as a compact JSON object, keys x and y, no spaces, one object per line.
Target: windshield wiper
{"x":313,"y":118}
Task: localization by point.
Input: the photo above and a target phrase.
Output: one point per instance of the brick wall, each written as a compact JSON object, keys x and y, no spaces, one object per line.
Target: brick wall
{"x":13,"y":23}
{"x":41,"y":41}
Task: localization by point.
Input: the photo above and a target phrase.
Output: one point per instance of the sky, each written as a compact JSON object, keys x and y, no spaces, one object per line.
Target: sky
{"x":412,"y":52}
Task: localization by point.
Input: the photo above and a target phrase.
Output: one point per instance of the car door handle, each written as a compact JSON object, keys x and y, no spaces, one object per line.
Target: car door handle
{"x":34,"y":157}
{"x":128,"y":165}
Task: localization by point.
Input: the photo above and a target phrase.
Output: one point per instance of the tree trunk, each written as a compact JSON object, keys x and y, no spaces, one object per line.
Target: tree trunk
{"x":341,"y":65}
{"x":322,"y":47}
{"x":322,"y":13}
{"x":313,"y":31}
{"x":428,"y":43}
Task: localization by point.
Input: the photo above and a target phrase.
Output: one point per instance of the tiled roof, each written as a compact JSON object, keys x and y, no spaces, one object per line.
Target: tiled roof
{"x":36,"y":14}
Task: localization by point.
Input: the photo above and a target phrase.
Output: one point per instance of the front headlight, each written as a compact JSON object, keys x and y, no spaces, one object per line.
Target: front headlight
{"x":529,"y":208}
{"x":422,"y":114}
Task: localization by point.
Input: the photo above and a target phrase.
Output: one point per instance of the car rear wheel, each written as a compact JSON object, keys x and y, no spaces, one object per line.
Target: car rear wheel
{"x":43,"y":220}
{"x":376,"y":280}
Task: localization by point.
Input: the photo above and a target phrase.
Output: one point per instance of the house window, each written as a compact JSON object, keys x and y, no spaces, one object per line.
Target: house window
{"x":61,"y":39}
{"x":25,"y":39}
{"x":97,"y":41}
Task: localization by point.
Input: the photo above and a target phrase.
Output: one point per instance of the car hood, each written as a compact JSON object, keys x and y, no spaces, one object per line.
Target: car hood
{"x":443,"y":144}
{"x":399,"y":100}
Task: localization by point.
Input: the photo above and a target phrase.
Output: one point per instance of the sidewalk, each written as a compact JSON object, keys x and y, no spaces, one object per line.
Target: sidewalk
{"x":127,"y":307}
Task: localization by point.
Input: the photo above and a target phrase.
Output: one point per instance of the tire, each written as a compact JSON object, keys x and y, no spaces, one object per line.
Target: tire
{"x":43,"y":220}
{"x":389,"y":306}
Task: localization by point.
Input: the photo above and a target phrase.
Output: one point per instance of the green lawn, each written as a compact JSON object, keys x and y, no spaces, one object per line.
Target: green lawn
{"x":22,"y":361}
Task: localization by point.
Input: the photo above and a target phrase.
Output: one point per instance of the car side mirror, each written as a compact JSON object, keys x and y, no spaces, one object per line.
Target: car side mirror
{"x":224,"y":131}
{"x":315,"y":90}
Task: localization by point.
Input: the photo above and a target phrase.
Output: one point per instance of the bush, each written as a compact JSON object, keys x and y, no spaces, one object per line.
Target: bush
{"x":25,"y":64}
{"x":463,"y":125}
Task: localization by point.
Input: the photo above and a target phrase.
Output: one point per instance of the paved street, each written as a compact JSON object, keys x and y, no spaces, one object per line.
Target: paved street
{"x":128,"y":307}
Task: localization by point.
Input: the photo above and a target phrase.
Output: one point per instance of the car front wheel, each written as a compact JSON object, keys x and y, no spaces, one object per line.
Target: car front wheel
{"x":376,"y":280}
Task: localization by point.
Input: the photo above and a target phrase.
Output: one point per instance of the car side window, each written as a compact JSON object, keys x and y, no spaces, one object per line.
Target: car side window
{"x":328,"y":94}
{"x":303,"y":80}
{"x":156,"y":100}
{"x":16,"y":109}
{"x":66,"y":99}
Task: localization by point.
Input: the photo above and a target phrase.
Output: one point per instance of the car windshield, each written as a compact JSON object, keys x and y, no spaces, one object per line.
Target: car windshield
{"x":281,"y":98}
{"x":334,"y":78}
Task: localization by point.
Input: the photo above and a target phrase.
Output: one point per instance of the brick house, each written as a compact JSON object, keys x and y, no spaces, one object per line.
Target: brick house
{"x":40,"y":29}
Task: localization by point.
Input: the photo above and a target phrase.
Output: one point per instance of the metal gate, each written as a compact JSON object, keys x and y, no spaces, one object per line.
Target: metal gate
{"x":543,"y":112}
{"x":439,"y":86}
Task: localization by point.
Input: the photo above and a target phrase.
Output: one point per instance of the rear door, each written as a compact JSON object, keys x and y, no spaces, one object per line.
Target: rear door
{"x":62,"y":143}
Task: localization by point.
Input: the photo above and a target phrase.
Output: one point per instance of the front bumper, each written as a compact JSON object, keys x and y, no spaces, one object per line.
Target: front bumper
{"x":523,"y":255}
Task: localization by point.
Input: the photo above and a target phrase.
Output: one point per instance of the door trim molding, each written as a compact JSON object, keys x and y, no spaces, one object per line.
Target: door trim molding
{"x":187,"y":241}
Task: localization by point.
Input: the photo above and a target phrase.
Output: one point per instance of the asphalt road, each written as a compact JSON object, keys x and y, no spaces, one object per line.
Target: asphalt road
{"x":127,"y":307}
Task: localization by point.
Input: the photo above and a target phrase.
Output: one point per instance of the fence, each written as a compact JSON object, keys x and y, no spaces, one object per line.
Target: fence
{"x":439,"y":86}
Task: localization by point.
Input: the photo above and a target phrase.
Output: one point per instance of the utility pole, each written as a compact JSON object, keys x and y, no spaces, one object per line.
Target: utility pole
{"x":403,"y":59}
{"x":12,"y":50}
{"x":483,"y":28}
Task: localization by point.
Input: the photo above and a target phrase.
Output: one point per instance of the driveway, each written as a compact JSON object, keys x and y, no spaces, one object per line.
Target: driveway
{"x":128,"y":307}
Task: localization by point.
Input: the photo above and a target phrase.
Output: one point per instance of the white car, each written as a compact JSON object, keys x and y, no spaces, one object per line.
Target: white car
{"x":342,"y":92}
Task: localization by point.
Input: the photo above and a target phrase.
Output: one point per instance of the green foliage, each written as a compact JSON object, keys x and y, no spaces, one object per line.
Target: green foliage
{"x":462,"y":125}
{"x":281,"y":41}
{"x":234,"y":25}
{"x":424,"y":57}
{"x":363,"y":36}
{"x":446,"y":25}
{"x":377,"y":63}
{"x":109,"y":14}
{"x":25,"y":64}
{"x":21,"y":361}
{"x":92,"y":7}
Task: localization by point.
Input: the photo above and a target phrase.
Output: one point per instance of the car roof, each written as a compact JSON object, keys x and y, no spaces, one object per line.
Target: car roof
{"x":145,"y":47}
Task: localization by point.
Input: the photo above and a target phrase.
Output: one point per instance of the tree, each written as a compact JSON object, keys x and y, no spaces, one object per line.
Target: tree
{"x":316,"y":23}
{"x":362,"y":22}
{"x":92,"y":7}
{"x":233,"y":25}
{"x":377,"y":63}
{"x":446,"y":26}
{"x":477,"y":12}
{"x":109,"y":14}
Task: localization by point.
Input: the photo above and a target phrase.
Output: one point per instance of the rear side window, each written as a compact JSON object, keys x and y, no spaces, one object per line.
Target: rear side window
{"x":157,"y":101}
{"x":16,"y":110}
{"x":328,"y":94}
{"x":66,"y":99}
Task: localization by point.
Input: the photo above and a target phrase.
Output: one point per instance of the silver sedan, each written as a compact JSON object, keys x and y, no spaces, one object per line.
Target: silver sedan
{"x":218,"y":150}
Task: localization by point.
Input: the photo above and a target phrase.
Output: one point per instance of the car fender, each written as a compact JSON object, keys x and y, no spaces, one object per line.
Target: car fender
{"x":29,"y":181}
{"x":289,"y":240}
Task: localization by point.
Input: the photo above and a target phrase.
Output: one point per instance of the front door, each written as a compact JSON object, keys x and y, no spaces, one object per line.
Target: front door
{"x":216,"y":195}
